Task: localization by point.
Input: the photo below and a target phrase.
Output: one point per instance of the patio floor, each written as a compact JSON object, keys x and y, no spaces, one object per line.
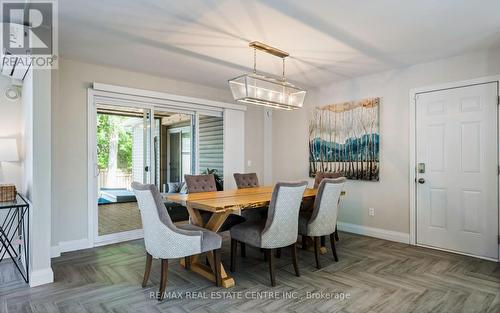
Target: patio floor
{"x":118,"y":217}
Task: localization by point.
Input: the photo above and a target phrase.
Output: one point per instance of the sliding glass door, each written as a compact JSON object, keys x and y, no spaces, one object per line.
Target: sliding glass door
{"x":148,"y":144}
{"x":176,"y":137}
{"x":123,"y":136}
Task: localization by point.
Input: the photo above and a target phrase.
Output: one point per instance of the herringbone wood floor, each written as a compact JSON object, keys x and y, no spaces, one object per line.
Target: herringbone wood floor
{"x":379,"y":276}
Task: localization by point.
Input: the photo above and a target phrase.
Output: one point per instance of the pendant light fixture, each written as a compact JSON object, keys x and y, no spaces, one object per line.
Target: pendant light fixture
{"x":267,"y":91}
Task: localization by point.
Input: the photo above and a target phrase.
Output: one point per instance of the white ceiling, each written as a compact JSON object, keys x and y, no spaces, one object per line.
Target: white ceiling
{"x":206,"y":42}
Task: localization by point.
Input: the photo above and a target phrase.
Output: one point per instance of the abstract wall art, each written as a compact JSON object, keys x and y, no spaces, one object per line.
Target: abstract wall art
{"x":345,"y":138}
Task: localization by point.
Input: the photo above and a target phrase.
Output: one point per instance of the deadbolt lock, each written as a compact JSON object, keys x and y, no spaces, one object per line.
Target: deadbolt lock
{"x":421,"y":168}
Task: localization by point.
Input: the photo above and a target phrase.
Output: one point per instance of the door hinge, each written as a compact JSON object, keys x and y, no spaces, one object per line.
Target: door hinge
{"x":498,"y":239}
{"x":499,"y":170}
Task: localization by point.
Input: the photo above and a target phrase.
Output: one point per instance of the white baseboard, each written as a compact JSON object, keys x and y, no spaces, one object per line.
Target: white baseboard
{"x":41,"y":277}
{"x":374,"y":232}
{"x":72,"y":245}
{"x":119,"y":237}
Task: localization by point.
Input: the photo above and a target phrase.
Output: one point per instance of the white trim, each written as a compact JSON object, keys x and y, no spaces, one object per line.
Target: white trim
{"x":412,"y":166}
{"x":457,"y":252}
{"x":374,"y":232}
{"x":41,"y":277}
{"x":67,"y":246}
{"x":166,"y":96}
{"x":268,"y":146}
{"x":457,"y":84}
{"x":152,"y":100}
{"x":119,"y":237}
{"x":91,"y":166}
{"x":196,"y":141}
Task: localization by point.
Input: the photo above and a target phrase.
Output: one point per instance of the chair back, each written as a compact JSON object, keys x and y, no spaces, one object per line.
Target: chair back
{"x":200,"y":183}
{"x":326,"y":207}
{"x":162,"y":238}
{"x":322,"y":175}
{"x":247,"y":180}
{"x":281,"y":228}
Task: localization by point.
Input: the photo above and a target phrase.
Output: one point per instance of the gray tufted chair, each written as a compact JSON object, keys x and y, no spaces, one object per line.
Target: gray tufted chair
{"x":200,"y":183}
{"x":317,"y":180}
{"x":164,"y":240}
{"x":278,"y":231}
{"x":206,"y":183}
{"x":247,"y":180}
{"x":322,"y":221}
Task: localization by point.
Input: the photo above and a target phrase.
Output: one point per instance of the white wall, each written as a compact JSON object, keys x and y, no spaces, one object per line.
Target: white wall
{"x":234,"y":146}
{"x":37,"y":172}
{"x":69,"y":148}
{"x":11,"y":126}
{"x":390,"y":196}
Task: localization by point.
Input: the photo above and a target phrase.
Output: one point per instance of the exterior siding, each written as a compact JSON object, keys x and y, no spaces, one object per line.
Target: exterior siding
{"x":211,"y":143}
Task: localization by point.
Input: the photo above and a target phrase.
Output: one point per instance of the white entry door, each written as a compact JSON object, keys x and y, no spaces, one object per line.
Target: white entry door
{"x":457,"y":169}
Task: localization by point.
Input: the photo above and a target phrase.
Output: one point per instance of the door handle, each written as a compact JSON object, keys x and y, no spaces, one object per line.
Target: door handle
{"x":421,"y":180}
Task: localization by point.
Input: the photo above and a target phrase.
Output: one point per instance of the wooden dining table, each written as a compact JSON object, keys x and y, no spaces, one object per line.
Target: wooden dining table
{"x":222,"y":204}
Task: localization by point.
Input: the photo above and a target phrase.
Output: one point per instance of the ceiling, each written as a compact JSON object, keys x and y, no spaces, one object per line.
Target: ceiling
{"x":206,"y":42}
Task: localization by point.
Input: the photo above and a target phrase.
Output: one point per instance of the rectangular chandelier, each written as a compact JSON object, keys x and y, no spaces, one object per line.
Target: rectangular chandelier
{"x":267,"y":91}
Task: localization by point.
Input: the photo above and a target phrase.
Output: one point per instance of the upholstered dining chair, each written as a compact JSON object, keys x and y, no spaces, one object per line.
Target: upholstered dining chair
{"x":317,"y":180}
{"x":246,"y":180}
{"x":164,"y":240}
{"x":322,"y":221}
{"x":206,"y":183}
{"x":250,"y":180}
{"x":321,"y":175}
{"x":279,"y":230}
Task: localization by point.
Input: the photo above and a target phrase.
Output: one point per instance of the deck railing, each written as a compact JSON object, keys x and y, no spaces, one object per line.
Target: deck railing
{"x":123,"y":179}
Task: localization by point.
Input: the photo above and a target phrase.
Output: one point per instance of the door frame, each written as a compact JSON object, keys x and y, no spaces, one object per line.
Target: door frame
{"x":180,"y":130}
{"x":413,"y":149}
{"x":157,"y":101}
{"x":93,"y":217}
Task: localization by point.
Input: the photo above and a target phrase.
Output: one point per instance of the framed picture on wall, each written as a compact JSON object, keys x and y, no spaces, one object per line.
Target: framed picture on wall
{"x":344,"y":138}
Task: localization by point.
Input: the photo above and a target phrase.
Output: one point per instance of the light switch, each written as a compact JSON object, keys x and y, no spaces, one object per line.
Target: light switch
{"x":249,"y":163}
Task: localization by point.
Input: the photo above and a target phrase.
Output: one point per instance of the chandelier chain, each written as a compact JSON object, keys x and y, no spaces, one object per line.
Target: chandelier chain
{"x":283,"y":68}
{"x":254,"y":60}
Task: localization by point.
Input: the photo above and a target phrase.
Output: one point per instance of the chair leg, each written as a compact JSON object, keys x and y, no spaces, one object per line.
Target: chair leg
{"x":295,"y":260}
{"x":163,"y":278}
{"x":336,"y":233}
{"x":187,"y":262}
{"x":234,"y":244}
{"x":270,"y":258}
{"x":323,"y":241}
{"x":316,"y":251}
{"x":304,"y":242}
{"x":243,"y":250}
{"x":149,"y":261}
{"x":278,"y":253}
{"x":334,"y":251}
{"x":217,"y":267}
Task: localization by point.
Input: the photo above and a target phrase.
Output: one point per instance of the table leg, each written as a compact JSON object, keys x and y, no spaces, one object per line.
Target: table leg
{"x":214,"y":224}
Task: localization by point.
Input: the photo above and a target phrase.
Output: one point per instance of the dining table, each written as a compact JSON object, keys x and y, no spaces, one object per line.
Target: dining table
{"x":221,"y":204}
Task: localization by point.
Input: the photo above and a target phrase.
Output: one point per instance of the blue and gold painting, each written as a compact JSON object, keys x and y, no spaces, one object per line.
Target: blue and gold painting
{"x":344,"y":138}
